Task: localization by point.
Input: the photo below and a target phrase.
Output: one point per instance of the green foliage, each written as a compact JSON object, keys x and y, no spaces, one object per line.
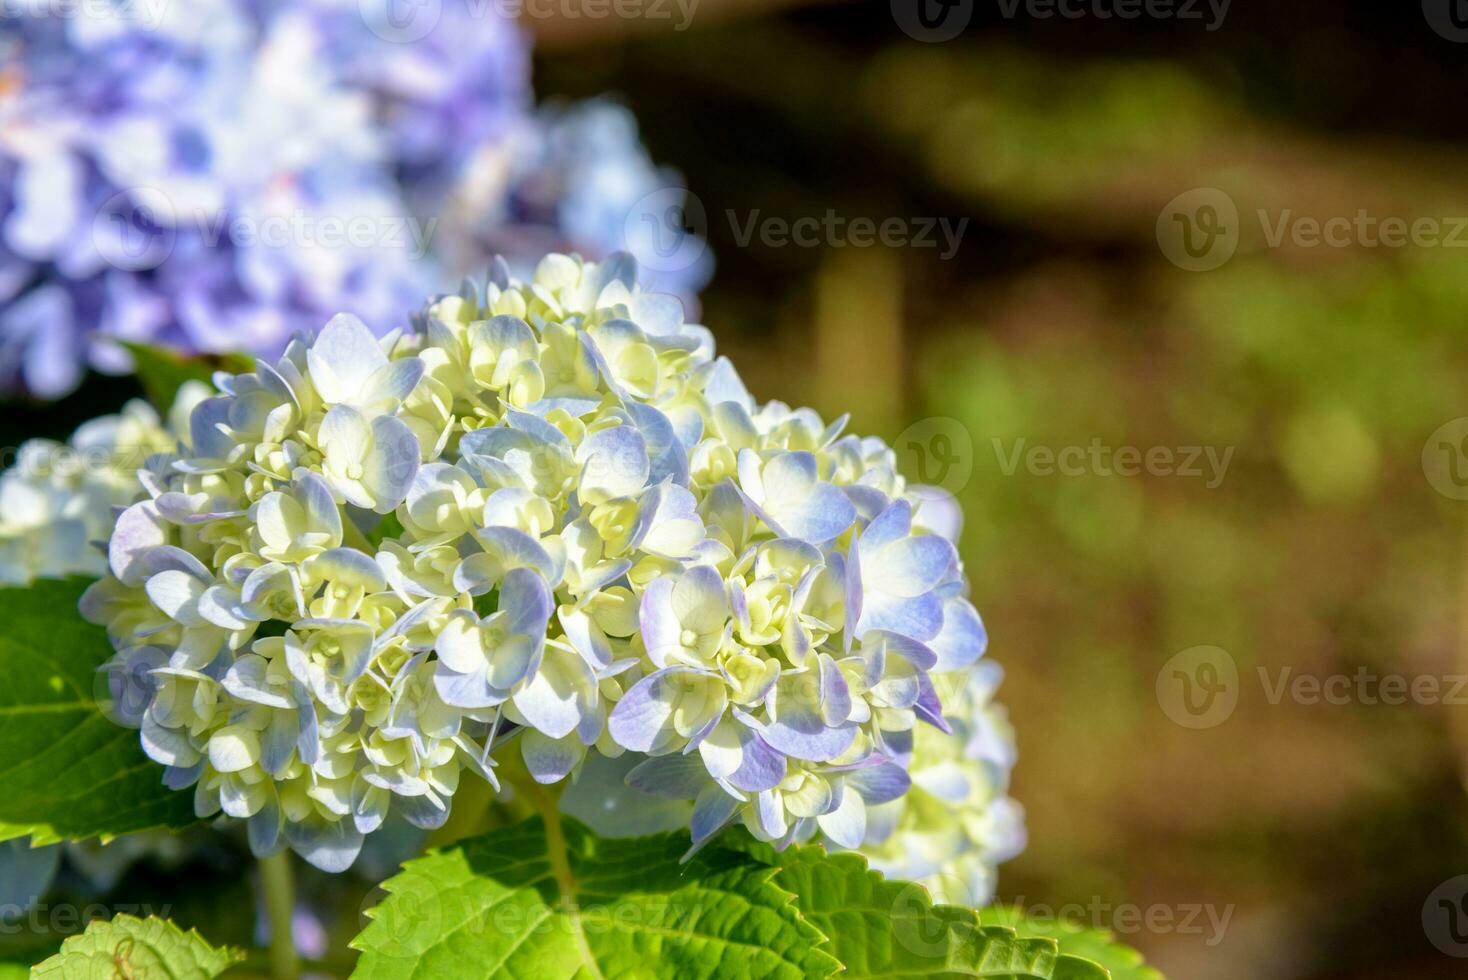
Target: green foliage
{"x":1097,"y":945}
{"x":139,"y":949}
{"x":550,"y":899}
{"x":162,"y":372}
{"x":553,"y":900}
{"x":882,"y":928}
{"x":69,"y":772}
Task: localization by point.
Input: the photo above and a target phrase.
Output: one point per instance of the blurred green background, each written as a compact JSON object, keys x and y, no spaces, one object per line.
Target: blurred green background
{"x":1060,"y":321}
{"x":1320,"y":830}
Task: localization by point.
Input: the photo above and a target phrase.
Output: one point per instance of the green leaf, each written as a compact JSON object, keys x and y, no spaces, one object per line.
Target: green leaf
{"x":162,"y":372}
{"x":1096,"y":945}
{"x":68,"y":771}
{"x":547,"y":898}
{"x":141,"y":949}
{"x":884,"y":928}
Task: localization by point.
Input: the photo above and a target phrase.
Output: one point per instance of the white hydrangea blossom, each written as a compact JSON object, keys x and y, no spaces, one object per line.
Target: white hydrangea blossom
{"x":57,"y":499}
{"x":550,"y":512}
{"x":955,"y":824}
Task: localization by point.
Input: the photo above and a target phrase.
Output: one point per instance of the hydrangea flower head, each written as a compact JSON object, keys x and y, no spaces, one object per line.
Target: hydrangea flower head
{"x":549,"y":519}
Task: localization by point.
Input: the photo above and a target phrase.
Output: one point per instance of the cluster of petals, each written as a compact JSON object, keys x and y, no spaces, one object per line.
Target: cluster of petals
{"x":547,"y":520}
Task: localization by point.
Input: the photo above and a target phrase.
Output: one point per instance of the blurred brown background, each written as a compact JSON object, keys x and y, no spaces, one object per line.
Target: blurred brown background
{"x":1318,"y":371}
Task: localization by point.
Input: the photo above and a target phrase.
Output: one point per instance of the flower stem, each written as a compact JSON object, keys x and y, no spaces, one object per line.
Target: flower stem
{"x":277,"y":882}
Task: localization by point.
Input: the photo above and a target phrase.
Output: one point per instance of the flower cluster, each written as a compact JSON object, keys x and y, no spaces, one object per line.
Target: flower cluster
{"x":577,"y":178}
{"x":221,"y":175}
{"x":58,"y":499}
{"x":155,"y":177}
{"x":551,"y":514}
{"x":955,"y":824}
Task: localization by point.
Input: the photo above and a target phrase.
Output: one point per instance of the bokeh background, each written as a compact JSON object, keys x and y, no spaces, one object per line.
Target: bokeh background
{"x":1332,"y":542}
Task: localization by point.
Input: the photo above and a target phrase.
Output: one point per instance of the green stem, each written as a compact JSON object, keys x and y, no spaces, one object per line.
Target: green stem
{"x":277,"y":882}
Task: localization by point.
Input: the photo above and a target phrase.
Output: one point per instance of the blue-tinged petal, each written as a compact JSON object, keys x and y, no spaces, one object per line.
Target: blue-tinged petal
{"x":893,"y":524}
{"x":643,"y":719}
{"x":910,"y":567}
{"x":929,"y":707}
{"x":761,"y":766}
{"x":343,"y":357}
{"x":278,"y":742}
{"x":722,"y":749}
{"x":658,"y":622}
{"x":247,"y":680}
{"x":466,"y":690}
{"x":391,"y":383}
{"x":770,"y":815}
{"x":331,"y":847}
{"x":614,"y":464}
{"x":920,"y":655}
{"x":207,"y":438}
{"x":527,"y":599}
{"x":846,"y":825}
{"x":582,"y":633}
{"x":388,"y":470}
{"x":700,"y":601}
{"x":835,"y":693}
{"x":796,"y":727}
{"x":820,"y":517}
{"x":423,"y":812}
{"x":963,"y":638}
{"x":880,"y":783}
{"x":673,"y":777}
{"x":711,"y":813}
{"x":264,"y":830}
{"x":139,"y":529}
{"x":919,"y":618}
{"x":559,"y":695}
{"x":314,"y":495}
{"x":550,"y":760}
{"x":539,"y":428}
